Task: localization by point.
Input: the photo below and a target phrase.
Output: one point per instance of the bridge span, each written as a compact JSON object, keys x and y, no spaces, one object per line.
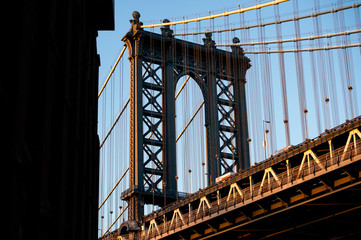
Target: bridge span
{"x":305,"y":191}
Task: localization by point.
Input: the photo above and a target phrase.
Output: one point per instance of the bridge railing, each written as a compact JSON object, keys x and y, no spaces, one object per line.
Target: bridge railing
{"x":248,"y":194}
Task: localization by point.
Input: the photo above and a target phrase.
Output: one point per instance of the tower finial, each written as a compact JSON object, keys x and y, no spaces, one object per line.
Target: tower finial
{"x":135,"y":23}
{"x":236,"y":49}
{"x":166,"y":31}
{"x":208,"y":40}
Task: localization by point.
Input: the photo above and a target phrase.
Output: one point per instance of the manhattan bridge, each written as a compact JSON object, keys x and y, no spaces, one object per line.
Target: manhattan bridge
{"x":240,"y":124}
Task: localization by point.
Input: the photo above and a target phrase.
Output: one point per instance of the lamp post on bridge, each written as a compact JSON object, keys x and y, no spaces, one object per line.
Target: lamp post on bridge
{"x":176,"y":179}
{"x":203,"y":175}
{"x":190,"y":181}
{"x":305,"y":112}
{"x":265,"y":131}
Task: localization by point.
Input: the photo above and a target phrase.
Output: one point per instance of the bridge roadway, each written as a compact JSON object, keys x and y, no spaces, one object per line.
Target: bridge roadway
{"x":312,"y":190}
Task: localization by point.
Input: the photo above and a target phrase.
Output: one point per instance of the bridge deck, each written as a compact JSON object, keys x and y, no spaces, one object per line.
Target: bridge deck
{"x":255,"y":202}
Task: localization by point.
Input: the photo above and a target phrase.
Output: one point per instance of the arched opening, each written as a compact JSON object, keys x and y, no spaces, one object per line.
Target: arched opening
{"x":191,"y":146}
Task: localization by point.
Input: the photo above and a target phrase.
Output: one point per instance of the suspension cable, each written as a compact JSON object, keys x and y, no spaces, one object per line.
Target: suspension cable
{"x":305,"y":49}
{"x":241,"y":10}
{"x":115,"y":122}
{"x":112,"y":70}
{"x":329,"y":35}
{"x":190,"y":120}
{"x":111,"y":191}
{"x":181,"y":88}
{"x":355,"y":5}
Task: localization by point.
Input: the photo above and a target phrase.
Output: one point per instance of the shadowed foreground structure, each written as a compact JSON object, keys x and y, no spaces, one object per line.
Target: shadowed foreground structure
{"x":50,"y":112}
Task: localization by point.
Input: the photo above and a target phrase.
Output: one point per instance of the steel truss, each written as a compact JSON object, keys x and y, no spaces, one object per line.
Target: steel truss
{"x":312,"y":189}
{"x":271,"y":199}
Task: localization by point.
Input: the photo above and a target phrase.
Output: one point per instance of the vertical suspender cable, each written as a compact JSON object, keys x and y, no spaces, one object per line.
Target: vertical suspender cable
{"x":358,"y":24}
{"x":332,"y":86}
{"x":267,"y":87}
{"x":348,"y":66}
{"x":342,"y":67}
{"x":300,"y":76}
{"x":282,"y":77}
{"x":322,"y":75}
{"x":315,"y":89}
{"x":112,"y":190}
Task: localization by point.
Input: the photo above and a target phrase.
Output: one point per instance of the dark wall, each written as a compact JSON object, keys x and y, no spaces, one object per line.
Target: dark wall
{"x":48,"y":96}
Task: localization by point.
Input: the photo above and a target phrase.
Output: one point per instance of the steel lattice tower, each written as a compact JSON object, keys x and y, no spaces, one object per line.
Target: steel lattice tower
{"x":158,"y":61}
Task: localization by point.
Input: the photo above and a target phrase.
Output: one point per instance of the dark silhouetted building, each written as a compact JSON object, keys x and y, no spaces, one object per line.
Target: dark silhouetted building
{"x":48,"y":95}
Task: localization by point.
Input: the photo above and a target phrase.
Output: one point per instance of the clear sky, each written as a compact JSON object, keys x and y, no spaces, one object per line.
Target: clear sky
{"x":115,"y":155}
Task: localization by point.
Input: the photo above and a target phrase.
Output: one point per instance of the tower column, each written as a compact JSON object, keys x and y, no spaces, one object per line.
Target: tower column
{"x":214,"y":166}
{"x":169,"y":137}
{"x":239,"y":72}
{"x":133,"y":41}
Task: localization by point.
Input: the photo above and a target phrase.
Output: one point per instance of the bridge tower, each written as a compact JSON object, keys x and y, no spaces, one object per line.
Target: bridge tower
{"x":158,"y":61}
